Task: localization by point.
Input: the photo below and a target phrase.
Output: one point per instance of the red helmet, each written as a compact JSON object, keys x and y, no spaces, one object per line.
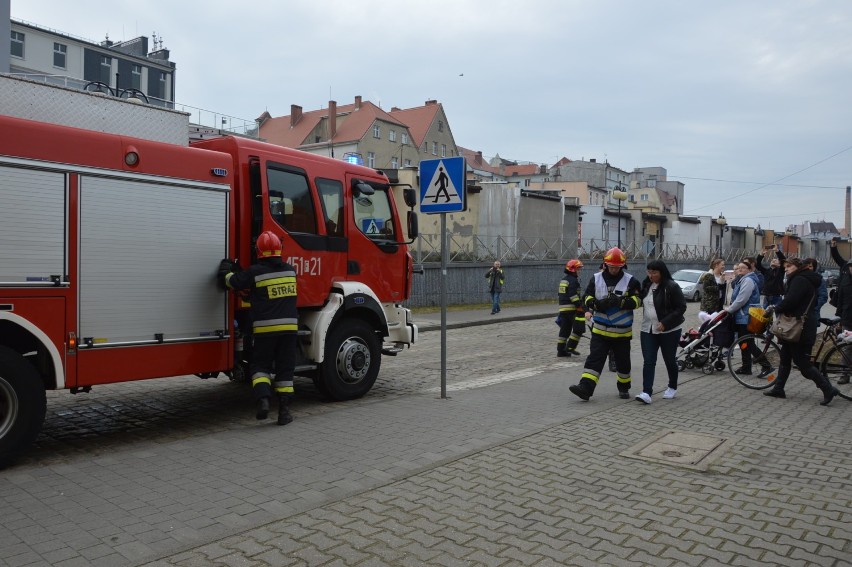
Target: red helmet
{"x":573,"y":265}
{"x":268,"y":245}
{"x":615,"y":257}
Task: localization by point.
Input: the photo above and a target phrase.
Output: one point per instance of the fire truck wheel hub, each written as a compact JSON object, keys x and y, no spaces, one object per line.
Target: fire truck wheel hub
{"x":353,"y":361}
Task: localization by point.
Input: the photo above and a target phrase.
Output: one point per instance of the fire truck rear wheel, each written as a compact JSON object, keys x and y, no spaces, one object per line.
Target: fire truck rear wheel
{"x":23,"y":404}
{"x":352,"y":359}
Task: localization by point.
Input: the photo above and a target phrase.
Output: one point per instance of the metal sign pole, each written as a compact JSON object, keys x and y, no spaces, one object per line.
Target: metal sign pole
{"x":444,"y":262}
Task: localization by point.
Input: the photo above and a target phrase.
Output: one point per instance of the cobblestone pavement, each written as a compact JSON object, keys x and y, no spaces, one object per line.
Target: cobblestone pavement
{"x":511,"y":470}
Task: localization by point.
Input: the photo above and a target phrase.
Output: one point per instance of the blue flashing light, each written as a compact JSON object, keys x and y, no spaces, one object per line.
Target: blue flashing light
{"x":354,"y":158}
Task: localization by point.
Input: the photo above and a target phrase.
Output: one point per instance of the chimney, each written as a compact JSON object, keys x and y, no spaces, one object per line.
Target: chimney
{"x":431,"y":102}
{"x":848,"y":211}
{"x":295,"y":114}
{"x":479,"y":157}
{"x":332,"y":119}
{"x":357,"y":102}
{"x":395,"y":109}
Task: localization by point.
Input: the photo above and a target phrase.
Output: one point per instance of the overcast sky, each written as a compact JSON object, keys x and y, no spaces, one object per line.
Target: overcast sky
{"x":748,"y":103}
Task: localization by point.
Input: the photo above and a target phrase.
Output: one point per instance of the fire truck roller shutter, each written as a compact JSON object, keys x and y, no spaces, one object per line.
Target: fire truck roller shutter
{"x":148,"y":254}
{"x":32,"y":225}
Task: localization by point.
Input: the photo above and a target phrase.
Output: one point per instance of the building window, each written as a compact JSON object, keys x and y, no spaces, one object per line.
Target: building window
{"x":405,"y":137}
{"x":440,"y":125}
{"x":392,"y":136}
{"x":377,"y":131}
{"x":590,"y":198}
{"x":434,"y":148}
{"x":371,"y":159}
{"x":162,"y":93}
{"x":394,"y":163}
{"x":60,"y":55}
{"x":407,"y":162}
{"x":643,"y":197}
{"x":106,"y":69}
{"x":136,"y":77}
{"x":526,"y":182}
{"x":443,"y":150}
{"x":17,"y":44}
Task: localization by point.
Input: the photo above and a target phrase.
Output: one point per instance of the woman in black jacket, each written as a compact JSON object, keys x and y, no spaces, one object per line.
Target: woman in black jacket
{"x":663,"y":308}
{"x":802,"y":287}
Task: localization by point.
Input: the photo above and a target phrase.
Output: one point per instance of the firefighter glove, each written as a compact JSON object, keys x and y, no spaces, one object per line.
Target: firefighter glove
{"x":592,"y":304}
{"x":627,"y":302}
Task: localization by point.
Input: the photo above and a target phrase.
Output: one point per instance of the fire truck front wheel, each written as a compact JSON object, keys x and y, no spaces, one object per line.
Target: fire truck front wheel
{"x":22,"y":404}
{"x":353,"y":355}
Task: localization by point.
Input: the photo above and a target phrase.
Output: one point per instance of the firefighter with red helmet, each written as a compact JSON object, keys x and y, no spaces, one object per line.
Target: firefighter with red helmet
{"x":610,"y":299}
{"x":572,"y":322}
{"x":271,"y":283}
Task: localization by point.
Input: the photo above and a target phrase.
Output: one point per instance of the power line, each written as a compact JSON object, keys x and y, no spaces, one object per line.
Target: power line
{"x":757,"y":182}
{"x":774,"y":182}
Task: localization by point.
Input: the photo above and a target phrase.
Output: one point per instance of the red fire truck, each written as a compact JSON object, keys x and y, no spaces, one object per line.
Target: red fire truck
{"x":109,"y":247}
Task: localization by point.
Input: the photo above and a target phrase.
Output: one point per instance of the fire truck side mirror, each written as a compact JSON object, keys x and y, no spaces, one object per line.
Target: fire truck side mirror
{"x":412,"y":225}
{"x":362,"y":188}
{"x":410,"y":196}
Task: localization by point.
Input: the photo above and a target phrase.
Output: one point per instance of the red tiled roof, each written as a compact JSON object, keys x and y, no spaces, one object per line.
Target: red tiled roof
{"x":529,"y":169}
{"x":352,"y":124}
{"x":481,"y":165}
{"x":418,"y":119}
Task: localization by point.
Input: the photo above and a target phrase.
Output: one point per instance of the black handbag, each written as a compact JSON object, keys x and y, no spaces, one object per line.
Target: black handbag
{"x":788,"y":328}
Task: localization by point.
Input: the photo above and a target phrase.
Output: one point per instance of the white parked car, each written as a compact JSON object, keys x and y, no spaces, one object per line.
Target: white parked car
{"x":688,"y":282}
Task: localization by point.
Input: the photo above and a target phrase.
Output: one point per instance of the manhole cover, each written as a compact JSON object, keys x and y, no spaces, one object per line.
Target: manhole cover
{"x":692,"y":450}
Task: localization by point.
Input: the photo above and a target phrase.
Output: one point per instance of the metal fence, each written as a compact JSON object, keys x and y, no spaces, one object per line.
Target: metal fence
{"x":427,"y":248}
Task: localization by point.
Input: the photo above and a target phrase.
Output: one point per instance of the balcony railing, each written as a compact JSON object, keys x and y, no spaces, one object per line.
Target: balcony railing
{"x":197,"y":116}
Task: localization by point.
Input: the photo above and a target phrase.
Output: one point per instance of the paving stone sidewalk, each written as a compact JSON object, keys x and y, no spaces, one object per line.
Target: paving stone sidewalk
{"x":567,"y":495}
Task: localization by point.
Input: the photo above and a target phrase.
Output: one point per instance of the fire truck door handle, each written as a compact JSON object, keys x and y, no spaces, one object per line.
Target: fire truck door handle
{"x":353,"y":267}
{"x":7,"y":307}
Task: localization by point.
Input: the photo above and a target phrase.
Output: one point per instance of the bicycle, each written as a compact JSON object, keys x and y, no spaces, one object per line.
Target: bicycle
{"x":835,"y":364}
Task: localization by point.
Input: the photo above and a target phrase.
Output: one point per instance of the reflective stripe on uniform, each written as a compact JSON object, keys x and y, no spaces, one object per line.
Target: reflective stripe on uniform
{"x":590,"y":375}
{"x":612,"y":332}
{"x":283,"y":386}
{"x":275,"y":325}
{"x":622,"y":379}
{"x":260,"y":378}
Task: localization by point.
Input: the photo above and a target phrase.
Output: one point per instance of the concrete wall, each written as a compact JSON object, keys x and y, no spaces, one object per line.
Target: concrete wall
{"x":466,"y":284}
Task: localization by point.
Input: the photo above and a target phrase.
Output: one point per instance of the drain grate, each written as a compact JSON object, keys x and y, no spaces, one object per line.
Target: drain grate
{"x":692,"y":450}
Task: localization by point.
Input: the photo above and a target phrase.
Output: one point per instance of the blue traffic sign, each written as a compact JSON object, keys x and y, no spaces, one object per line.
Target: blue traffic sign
{"x":442,"y":185}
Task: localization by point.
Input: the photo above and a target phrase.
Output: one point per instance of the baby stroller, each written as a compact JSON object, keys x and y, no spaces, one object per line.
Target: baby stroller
{"x":707,"y":347}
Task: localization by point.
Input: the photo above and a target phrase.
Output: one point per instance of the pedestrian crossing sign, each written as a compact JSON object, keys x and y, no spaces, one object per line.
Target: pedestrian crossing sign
{"x":442,"y":185}
{"x":372,"y":226}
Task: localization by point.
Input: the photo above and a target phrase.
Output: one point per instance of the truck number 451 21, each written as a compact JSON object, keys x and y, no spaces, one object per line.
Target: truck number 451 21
{"x":305,"y":266}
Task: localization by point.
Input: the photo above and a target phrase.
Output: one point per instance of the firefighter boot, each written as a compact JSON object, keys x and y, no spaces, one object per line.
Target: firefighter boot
{"x":584,"y":389}
{"x":284,"y":416}
{"x":262,"y":408}
{"x":777,"y":390}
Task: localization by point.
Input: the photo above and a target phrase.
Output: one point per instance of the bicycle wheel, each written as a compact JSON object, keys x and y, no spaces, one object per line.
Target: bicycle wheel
{"x":837,"y":367}
{"x":770,"y":354}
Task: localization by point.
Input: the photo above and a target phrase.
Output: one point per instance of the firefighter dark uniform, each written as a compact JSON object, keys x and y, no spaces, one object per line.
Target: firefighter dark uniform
{"x":612,"y":297}
{"x":272,"y":286}
{"x":572,"y":322}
